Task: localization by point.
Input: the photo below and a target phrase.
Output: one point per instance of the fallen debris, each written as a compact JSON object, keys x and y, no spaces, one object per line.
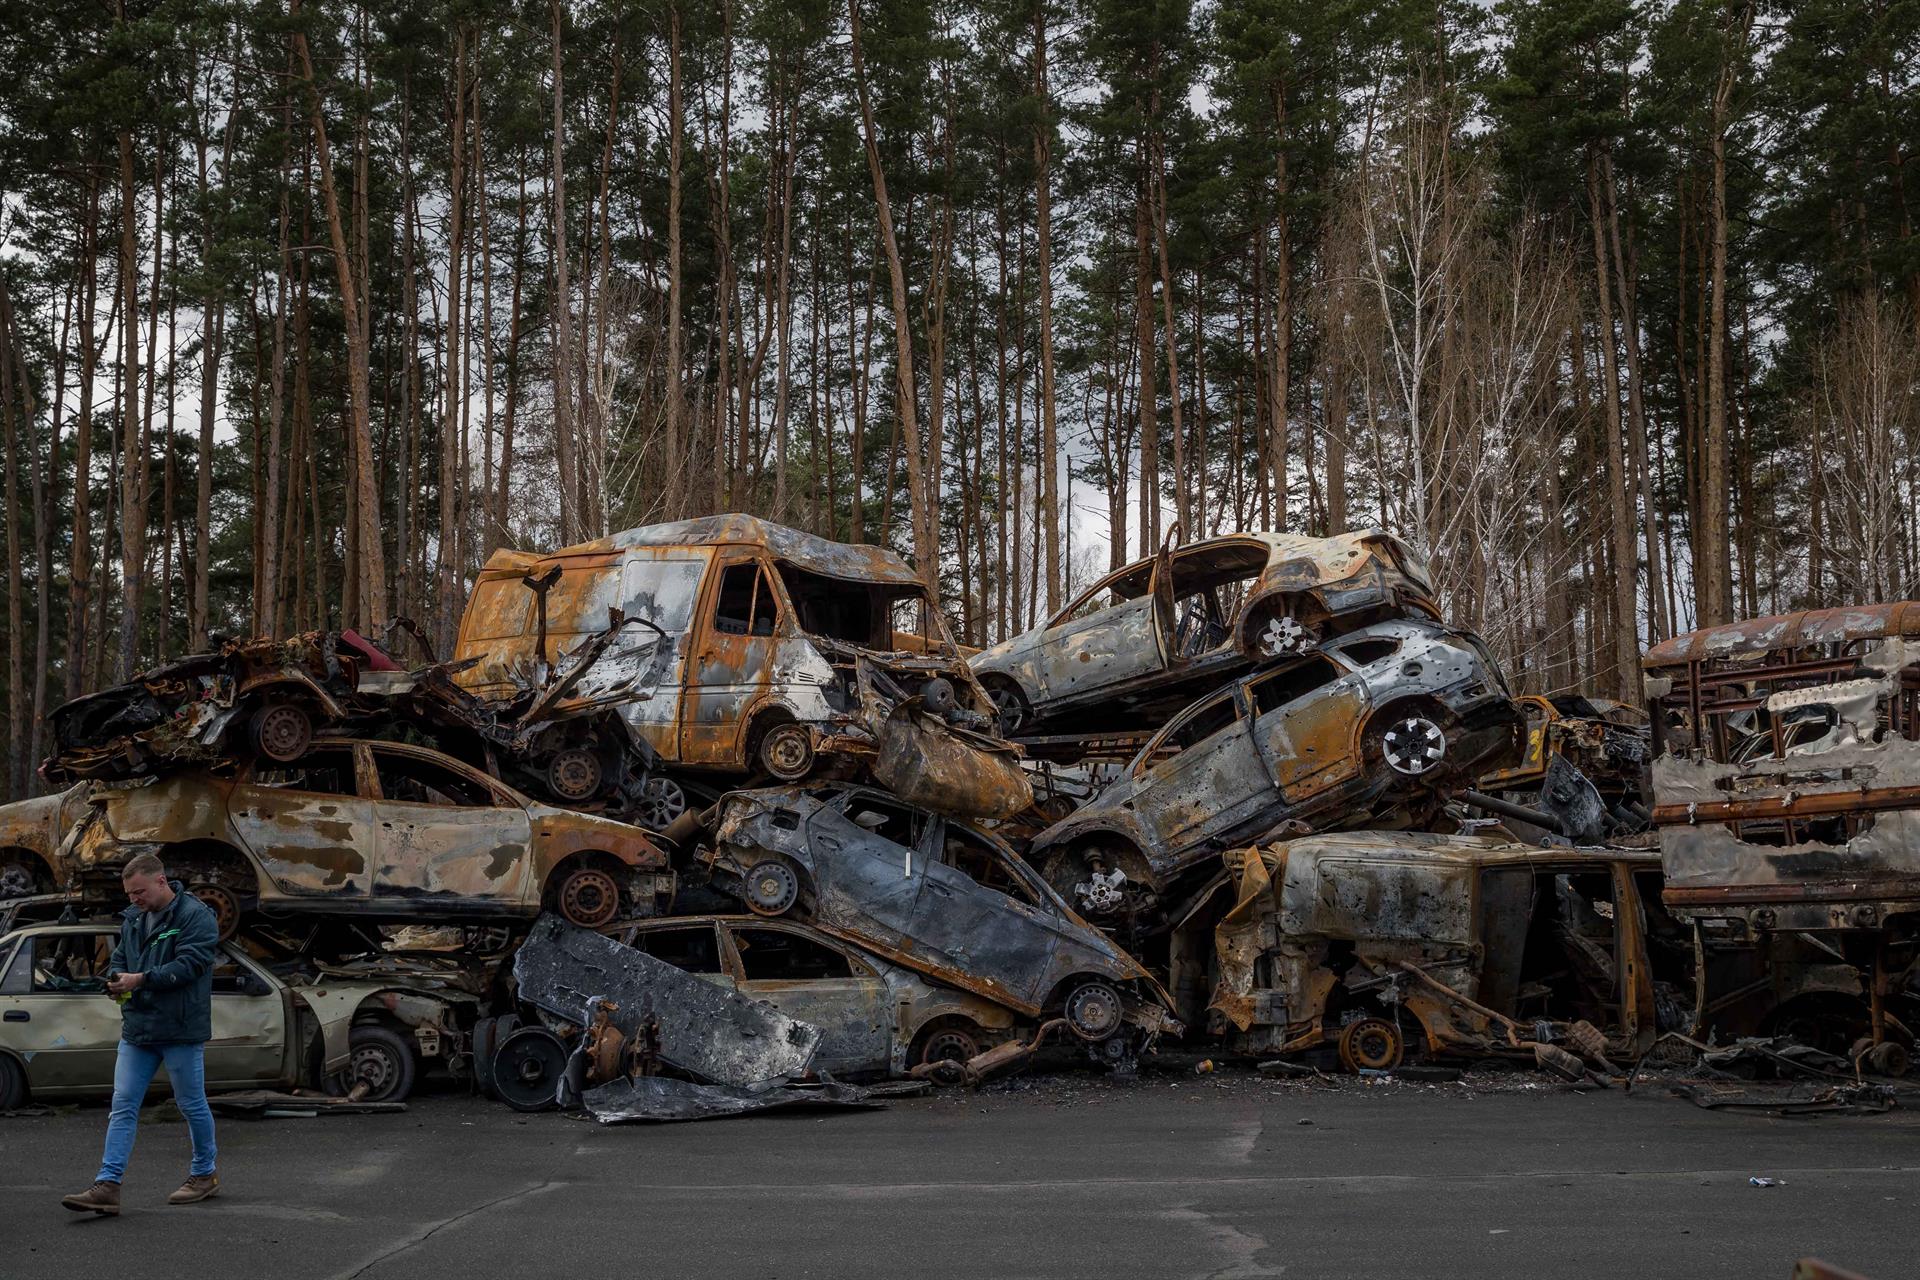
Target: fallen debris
{"x":660,"y":1099}
{"x":273,"y":1104}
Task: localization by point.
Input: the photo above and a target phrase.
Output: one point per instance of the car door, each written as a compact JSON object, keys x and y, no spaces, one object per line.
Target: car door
{"x":1095,"y":647}
{"x":868,"y":866}
{"x":982,"y":918}
{"x":1304,"y":713}
{"x":811,"y":980}
{"x":691,"y":946}
{"x":55,"y":1013}
{"x":661,"y":585}
{"x":308,"y":825}
{"x":1213,"y":783}
{"x":249,"y":1043}
{"x":446,"y":838}
{"x":733,"y":648}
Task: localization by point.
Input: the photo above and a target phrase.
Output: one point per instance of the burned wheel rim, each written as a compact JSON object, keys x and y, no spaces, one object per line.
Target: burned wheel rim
{"x":527,"y":1069}
{"x":660,"y":801}
{"x":225,"y":906}
{"x":1284,"y":635}
{"x":1413,"y":746}
{"x":771,"y":888}
{"x":16,"y":881}
{"x":574,"y":774}
{"x":786,"y":752}
{"x":1010,"y":706}
{"x":1370,"y":1044}
{"x":589,"y":897}
{"x":949,"y":1044}
{"x":281,"y":732}
{"x":374,"y":1066}
{"x":1093,"y":1011}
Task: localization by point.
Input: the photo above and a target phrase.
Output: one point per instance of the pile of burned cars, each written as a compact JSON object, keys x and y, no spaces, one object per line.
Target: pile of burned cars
{"x":716,"y":816}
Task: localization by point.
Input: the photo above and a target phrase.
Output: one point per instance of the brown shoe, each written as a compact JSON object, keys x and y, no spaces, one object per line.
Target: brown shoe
{"x":101,"y":1197}
{"x":200,"y":1186}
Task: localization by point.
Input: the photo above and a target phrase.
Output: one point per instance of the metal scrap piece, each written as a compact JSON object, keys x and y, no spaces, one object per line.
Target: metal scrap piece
{"x":660,"y":1099}
{"x":705,"y":1029}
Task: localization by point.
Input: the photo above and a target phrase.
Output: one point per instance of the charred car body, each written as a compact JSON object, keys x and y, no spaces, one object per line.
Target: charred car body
{"x":934,"y":895}
{"x":1371,"y":729}
{"x":1143,"y":640}
{"x":380,"y":830}
{"x":770,"y":651}
{"x":375,"y":1025}
{"x":1787,"y":784}
{"x":1584,"y":762}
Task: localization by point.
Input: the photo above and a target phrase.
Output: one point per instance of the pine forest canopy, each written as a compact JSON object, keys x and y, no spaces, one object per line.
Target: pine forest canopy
{"x":308,"y":305}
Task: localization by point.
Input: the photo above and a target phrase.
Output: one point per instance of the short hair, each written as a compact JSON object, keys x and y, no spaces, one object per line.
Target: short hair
{"x":143,"y":864}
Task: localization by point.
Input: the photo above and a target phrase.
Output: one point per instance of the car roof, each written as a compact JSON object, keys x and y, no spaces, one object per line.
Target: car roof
{"x":852,"y":562}
{"x":1788,"y":631}
{"x":1421,"y":846}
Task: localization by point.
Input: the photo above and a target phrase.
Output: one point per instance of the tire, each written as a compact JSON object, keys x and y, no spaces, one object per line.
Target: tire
{"x":785,"y":751}
{"x":1010,"y":706}
{"x":527,"y":1069}
{"x":770,"y":887}
{"x":958,"y":1041}
{"x":13,"y":1085}
{"x":383,"y":1059}
{"x":281,"y":732}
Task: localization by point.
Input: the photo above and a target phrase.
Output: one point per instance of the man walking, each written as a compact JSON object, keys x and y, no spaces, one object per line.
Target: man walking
{"x":162,"y":975}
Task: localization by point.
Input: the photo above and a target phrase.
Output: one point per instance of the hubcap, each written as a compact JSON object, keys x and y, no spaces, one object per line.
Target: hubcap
{"x":661,"y":801}
{"x":1284,"y":634}
{"x":1414,"y":745}
{"x":1007,"y":703}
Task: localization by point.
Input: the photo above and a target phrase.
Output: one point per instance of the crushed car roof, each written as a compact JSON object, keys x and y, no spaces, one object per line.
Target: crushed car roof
{"x":854,"y":562}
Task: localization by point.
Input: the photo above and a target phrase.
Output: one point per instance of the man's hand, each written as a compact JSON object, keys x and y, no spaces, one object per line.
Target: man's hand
{"x":121,"y":984}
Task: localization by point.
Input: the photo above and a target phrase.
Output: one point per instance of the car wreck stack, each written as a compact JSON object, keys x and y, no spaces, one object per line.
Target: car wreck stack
{"x":698,"y":793}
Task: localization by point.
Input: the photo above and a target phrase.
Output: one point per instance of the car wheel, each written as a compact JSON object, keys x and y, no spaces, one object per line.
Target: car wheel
{"x":1093,"y":1011}
{"x":527,"y":1069}
{"x":1371,"y":1044}
{"x":223,"y":903}
{"x":382,"y":1061}
{"x":771,"y":887}
{"x":13,"y":1085}
{"x":948,"y":1042}
{"x":589,"y":897}
{"x":659,"y":801}
{"x":786,"y":752}
{"x":1010,"y":705}
{"x":281,"y":732}
{"x":1412,"y":744}
{"x":488,"y":1035}
{"x":17,"y":879}
{"x":574,"y":775}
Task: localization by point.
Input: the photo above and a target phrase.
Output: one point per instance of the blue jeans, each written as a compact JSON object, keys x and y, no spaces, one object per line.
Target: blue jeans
{"x":187,"y":1067}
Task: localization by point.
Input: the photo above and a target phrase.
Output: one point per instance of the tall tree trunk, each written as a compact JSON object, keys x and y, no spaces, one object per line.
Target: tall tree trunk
{"x":80,"y":590}
{"x":1626,"y":627}
{"x":447,"y":607}
{"x":1147,"y":405}
{"x":926,"y":551}
{"x":1715,"y":572}
{"x":370,"y":604}
{"x":1049,"y":513}
{"x":1282,"y":311}
{"x":675,"y":390}
{"x":133,"y":464}
{"x":17,"y":769}
{"x":562,"y":298}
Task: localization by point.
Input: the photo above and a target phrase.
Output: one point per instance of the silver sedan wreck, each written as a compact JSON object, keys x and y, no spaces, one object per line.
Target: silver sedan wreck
{"x":1371,"y":730}
{"x":937,"y":896}
{"x":1145,"y":639}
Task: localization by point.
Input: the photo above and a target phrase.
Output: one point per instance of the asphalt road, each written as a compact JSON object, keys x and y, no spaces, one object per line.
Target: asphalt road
{"x":1223,"y":1176}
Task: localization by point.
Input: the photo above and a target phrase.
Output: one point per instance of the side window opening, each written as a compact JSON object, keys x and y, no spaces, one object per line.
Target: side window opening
{"x":746,"y":606}
{"x":981,"y":863}
{"x":325,"y":772}
{"x":17,"y":979}
{"x":774,"y":955}
{"x":1274,"y":691}
{"x":414,"y":781}
{"x":71,"y":964}
{"x":1364,"y":653}
{"x":833,"y":607}
{"x":1204,"y":723}
{"x":888,"y":821}
{"x":1130,"y":585}
{"x":692,"y":948}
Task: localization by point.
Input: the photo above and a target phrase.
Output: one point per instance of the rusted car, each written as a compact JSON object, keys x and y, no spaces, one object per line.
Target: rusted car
{"x":250,"y":697}
{"x":935,"y":895}
{"x":1607,"y":744}
{"x":1367,"y":946}
{"x":1146,"y":638}
{"x":271,"y":1030}
{"x":376,"y":829}
{"x":767,"y":651}
{"x":1786,"y":781}
{"x":30,"y":834}
{"x":1371,"y":729}
{"x":876,"y":1016}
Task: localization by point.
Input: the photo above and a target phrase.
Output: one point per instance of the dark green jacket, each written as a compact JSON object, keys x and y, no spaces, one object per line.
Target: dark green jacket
{"x":175,"y":1004}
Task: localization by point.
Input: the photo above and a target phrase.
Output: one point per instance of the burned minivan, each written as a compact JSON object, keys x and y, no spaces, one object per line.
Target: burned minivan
{"x":766,"y":651}
{"x":1146,"y":638}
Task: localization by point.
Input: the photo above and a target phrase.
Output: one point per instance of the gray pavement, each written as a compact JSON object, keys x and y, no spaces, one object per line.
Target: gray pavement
{"x":1217,"y":1176}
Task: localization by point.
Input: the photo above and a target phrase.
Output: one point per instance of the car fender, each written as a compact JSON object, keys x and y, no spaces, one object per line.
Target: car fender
{"x":334,"y":1006}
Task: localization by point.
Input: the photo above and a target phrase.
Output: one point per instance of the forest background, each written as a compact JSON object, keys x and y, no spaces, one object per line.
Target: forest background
{"x":308,"y":305}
